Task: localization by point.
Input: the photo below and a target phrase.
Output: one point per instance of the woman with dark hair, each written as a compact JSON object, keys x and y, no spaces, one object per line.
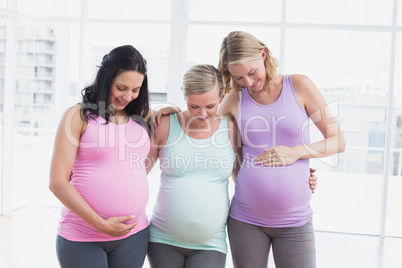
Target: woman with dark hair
{"x":97,"y":169}
{"x":120,"y":59}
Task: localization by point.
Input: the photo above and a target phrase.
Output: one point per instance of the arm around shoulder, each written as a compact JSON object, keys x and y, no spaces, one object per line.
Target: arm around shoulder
{"x":230,"y":105}
{"x":235,"y":140}
{"x":158,"y":140}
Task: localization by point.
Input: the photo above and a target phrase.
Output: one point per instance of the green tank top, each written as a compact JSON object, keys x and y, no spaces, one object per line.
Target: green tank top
{"x":193,"y":203}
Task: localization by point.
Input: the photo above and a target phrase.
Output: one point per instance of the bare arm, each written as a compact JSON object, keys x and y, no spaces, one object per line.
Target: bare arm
{"x":154,"y":116}
{"x":158,"y":140}
{"x":235,"y":140}
{"x":319,"y":112}
{"x":316,"y":107}
{"x":65,"y":150}
{"x":229,"y":107}
{"x":230,"y":104}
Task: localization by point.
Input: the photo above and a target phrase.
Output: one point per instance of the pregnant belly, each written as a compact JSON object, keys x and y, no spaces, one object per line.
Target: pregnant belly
{"x":196,"y":212}
{"x":273,"y":190}
{"x":114,"y":200}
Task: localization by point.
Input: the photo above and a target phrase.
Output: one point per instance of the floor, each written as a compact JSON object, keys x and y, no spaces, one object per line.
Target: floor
{"x":27,"y":240}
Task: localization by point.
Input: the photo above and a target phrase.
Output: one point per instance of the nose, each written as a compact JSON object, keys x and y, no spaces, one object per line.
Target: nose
{"x":248,"y":81}
{"x":128,"y":96}
{"x":203,"y":112}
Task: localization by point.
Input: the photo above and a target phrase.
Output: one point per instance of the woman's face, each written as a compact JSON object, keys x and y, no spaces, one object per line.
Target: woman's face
{"x":251,"y":74}
{"x":125,"y":88}
{"x":203,"y":107}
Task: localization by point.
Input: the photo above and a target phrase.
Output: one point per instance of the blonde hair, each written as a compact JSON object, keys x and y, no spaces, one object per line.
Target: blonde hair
{"x":241,"y":47}
{"x":200,"y":79}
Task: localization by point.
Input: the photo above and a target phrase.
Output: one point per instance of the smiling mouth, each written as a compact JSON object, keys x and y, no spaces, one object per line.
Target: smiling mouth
{"x":121,"y":103}
{"x":253,"y":85}
{"x":202,"y":119}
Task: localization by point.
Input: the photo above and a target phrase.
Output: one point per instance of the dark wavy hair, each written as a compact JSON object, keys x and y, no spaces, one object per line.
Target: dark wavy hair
{"x":95,"y":98}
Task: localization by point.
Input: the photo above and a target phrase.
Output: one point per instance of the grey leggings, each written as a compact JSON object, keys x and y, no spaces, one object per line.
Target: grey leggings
{"x":292,"y":247}
{"x":167,"y":256}
{"x":127,"y":252}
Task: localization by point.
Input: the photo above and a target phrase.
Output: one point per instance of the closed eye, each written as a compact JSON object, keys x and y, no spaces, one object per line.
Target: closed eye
{"x":253,"y":73}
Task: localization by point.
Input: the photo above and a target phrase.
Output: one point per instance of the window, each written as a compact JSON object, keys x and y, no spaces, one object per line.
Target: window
{"x":344,"y":46}
{"x":235,"y":10}
{"x":129,"y":10}
{"x":50,"y":8}
{"x":337,"y":62}
{"x":154,"y":48}
{"x":356,"y":12}
{"x":200,"y":51}
{"x":3,"y":3}
{"x":394,"y":212}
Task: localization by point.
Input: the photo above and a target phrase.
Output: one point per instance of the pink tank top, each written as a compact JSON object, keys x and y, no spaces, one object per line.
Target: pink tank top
{"x":272,"y":196}
{"x":109,"y":172}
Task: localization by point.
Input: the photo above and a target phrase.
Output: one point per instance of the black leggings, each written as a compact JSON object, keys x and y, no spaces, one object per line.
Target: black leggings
{"x":127,"y":252}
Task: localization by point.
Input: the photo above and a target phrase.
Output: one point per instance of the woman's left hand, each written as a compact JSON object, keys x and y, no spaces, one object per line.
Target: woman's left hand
{"x":312,"y":180}
{"x":277,"y":156}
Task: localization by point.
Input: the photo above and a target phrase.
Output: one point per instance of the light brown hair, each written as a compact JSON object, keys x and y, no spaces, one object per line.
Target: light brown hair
{"x":241,"y":47}
{"x":200,"y":79}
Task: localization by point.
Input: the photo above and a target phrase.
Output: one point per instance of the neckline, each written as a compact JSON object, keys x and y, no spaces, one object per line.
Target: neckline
{"x":266,"y":105}
{"x":109,"y":122}
{"x":185,"y":134}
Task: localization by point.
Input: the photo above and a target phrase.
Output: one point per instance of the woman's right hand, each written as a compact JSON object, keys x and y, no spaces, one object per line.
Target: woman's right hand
{"x":115,"y":226}
{"x":156,"y":120}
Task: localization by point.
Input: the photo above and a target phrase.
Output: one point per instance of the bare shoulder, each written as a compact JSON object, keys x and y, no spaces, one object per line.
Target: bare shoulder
{"x":73,"y":116}
{"x":301,"y":81}
{"x":230,"y":104}
{"x":304,"y":87}
{"x":71,"y":126}
{"x":161,"y":132}
{"x":74,"y":109}
{"x":233,"y":96}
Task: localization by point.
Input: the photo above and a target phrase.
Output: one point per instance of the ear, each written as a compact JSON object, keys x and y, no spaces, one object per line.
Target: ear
{"x":263,"y":54}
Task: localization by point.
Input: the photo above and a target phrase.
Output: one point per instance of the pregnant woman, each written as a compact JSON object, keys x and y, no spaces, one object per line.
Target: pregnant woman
{"x":196,"y":149}
{"x":103,"y":221}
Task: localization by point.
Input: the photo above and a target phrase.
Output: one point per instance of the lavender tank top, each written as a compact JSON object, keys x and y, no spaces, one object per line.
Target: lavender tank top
{"x":272,"y":196}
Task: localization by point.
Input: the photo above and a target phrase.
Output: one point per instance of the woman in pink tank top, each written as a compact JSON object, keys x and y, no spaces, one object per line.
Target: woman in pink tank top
{"x":271,"y":206}
{"x":97,"y":169}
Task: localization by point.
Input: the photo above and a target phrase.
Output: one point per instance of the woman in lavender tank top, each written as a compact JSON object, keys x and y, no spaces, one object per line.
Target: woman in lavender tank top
{"x":271,"y":204}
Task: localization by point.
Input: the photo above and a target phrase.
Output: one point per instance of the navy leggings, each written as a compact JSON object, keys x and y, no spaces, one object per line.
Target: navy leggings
{"x":127,"y":252}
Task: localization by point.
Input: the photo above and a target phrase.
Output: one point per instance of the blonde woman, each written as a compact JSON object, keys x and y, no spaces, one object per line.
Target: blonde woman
{"x":196,"y":149}
{"x":271,"y":204}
